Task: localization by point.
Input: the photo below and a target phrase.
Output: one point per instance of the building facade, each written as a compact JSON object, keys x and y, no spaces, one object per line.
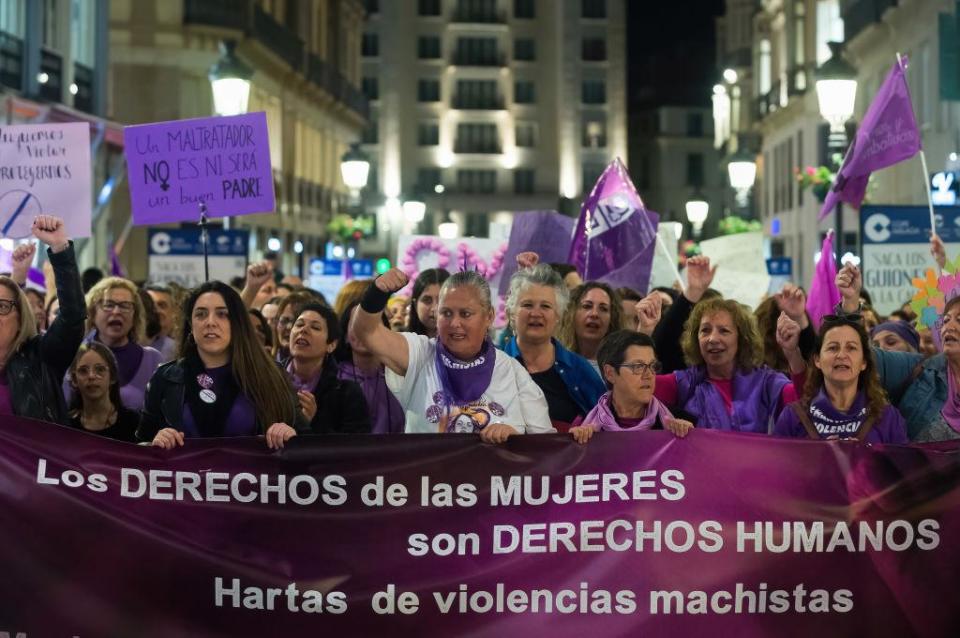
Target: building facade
{"x":486,"y":107}
{"x":306,"y":60}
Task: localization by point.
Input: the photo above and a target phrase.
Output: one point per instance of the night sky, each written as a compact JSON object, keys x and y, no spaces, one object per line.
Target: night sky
{"x":671,"y":51}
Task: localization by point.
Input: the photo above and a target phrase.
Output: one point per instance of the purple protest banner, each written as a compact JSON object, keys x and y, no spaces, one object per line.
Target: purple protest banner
{"x":888,"y":135}
{"x":221,"y":161}
{"x":545,"y":232}
{"x":612,"y":230}
{"x":440,"y":535}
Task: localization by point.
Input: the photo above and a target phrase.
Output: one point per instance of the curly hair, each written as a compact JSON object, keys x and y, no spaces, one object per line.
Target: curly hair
{"x":749,"y":344}
{"x":869,"y":379}
{"x":99,"y":290}
{"x":568,"y":334}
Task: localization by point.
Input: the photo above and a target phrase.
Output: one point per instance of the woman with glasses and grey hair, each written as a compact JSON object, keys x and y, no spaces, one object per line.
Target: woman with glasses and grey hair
{"x":456,"y":381}
{"x":31,"y":365}
{"x":629,"y":364}
{"x":536,"y":303}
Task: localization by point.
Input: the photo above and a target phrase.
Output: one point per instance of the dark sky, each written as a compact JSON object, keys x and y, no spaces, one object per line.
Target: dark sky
{"x":671,"y":51}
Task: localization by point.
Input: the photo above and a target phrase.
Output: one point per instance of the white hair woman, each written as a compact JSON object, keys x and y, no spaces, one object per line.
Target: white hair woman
{"x":536,"y":303}
{"x":32,"y":366}
{"x":457,"y":381}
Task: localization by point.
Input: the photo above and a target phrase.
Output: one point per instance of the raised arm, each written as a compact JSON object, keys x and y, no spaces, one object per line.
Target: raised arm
{"x":59,"y":344}
{"x":669,"y":331}
{"x":388,"y":346}
{"x":257,"y":275}
{"x":20,"y":262}
{"x":849,"y":284}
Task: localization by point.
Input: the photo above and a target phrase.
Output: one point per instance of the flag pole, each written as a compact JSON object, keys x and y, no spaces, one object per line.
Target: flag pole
{"x":926,"y":180}
{"x":672,"y":261}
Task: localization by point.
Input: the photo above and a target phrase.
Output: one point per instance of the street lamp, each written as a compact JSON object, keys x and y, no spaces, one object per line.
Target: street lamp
{"x":355,"y":168}
{"x":697,"y":210}
{"x":836,"y":96}
{"x":230,"y":81}
{"x":742,"y":170}
{"x":414,"y":209}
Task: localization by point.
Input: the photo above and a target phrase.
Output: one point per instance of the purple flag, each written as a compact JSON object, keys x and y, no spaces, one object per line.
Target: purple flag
{"x":545,"y":232}
{"x":887,"y":135}
{"x":823,"y":296}
{"x":116,"y":269}
{"x":613,"y":229}
{"x":36,"y":280}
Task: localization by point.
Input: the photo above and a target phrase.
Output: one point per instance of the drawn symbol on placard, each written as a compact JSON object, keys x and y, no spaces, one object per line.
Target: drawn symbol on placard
{"x":157,"y":171}
{"x":18,"y":208}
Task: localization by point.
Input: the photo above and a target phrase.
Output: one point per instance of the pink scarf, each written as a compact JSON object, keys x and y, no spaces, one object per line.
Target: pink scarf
{"x":602,"y":417}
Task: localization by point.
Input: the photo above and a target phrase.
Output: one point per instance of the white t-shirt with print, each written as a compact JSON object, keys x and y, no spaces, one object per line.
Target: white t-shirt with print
{"x":512,"y":397}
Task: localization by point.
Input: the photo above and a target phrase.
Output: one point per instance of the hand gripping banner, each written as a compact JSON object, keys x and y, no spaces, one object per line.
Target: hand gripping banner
{"x":633,"y":534}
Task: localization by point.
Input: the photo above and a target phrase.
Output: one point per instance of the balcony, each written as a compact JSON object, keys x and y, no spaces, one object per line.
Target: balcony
{"x":277,"y":38}
{"x":11,"y":61}
{"x":51,"y":65}
{"x":465,"y":148}
{"x":228,"y":14}
{"x":473,"y":104}
{"x":466,"y":16}
{"x":859,"y":14}
{"x":332,"y":81}
{"x":463,"y":59}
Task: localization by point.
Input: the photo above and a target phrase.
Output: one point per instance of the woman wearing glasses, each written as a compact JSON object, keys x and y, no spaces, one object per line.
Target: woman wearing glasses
{"x":32,"y":366}
{"x":96,"y":406}
{"x":630,"y":367}
{"x":843,"y":397}
{"x":116,"y":318}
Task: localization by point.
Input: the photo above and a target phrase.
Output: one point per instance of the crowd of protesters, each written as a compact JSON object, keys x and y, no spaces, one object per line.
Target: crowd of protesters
{"x":264,"y":355}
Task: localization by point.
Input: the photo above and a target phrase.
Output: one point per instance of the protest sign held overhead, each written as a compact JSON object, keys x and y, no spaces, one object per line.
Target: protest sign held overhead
{"x":741,"y":266}
{"x":223,"y":162}
{"x":45,"y":169}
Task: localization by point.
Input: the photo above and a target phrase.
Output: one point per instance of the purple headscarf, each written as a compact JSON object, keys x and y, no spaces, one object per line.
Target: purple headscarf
{"x":902,"y":329}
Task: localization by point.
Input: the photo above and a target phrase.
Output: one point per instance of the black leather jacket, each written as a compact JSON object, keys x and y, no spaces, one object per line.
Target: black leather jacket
{"x":163,"y":404}
{"x":36,"y":370}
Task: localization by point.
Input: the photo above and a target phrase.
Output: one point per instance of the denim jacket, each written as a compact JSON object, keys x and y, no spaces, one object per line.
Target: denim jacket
{"x":582,"y":381}
{"x":919,"y":398}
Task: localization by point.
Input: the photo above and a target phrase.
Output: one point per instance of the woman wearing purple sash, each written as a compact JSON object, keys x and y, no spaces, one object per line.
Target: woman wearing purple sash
{"x":843,"y":397}
{"x":116,"y":318}
{"x":456,"y":382}
{"x":223,"y":384}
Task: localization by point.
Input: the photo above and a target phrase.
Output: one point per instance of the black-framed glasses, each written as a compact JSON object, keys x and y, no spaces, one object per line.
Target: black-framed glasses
{"x":125,"y":307}
{"x":6,"y":306}
{"x":639,"y":368}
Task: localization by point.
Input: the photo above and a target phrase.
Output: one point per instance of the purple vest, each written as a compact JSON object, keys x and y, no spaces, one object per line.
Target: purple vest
{"x":755,"y":398}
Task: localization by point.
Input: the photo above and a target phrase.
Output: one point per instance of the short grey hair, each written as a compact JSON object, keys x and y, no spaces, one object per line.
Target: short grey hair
{"x":539,"y":275}
{"x":473,"y":279}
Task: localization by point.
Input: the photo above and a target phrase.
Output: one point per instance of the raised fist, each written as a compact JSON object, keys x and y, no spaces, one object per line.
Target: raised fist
{"x":51,"y":231}
{"x":648,"y":312}
{"x":392,"y":280}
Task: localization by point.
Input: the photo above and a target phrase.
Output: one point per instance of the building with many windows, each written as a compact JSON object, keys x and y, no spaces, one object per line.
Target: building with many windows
{"x":487,"y":107}
{"x":306,"y":60}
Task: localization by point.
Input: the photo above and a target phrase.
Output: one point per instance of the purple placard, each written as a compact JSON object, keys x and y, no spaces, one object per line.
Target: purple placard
{"x":222,"y":161}
{"x":744,"y":535}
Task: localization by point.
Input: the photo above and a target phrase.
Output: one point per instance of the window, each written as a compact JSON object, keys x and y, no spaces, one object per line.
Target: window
{"x":593,"y":92}
{"x":694,"y":169}
{"x":428,"y":47}
{"x":477,"y":94}
{"x":428,"y":7}
{"x":372,"y":6}
{"x":371,"y":134}
{"x":594,"y":132}
{"x":829,"y":28}
{"x":12,"y":17}
{"x":524,"y":9}
{"x":594,"y":50}
{"x":526,"y":134}
{"x":523,"y":92}
{"x":477,"y":52}
{"x":477,"y":138}
{"x":524,"y":50}
{"x":764,"y":77}
{"x":694,"y":125}
{"x":371,"y":88}
{"x":428,"y":91}
{"x":82,"y":32}
{"x":51,"y":25}
{"x":428,"y":134}
{"x":476,"y":181}
{"x":478,"y":225}
{"x":370,"y":45}
{"x":428,"y":178}
{"x":476,"y":11}
{"x":523,"y":181}
{"x":593,"y":8}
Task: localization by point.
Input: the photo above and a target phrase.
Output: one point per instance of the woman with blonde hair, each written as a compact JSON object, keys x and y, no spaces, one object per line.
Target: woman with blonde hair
{"x":594,"y":312}
{"x":32,"y":366}
{"x":117,"y":319}
{"x":350,"y":294}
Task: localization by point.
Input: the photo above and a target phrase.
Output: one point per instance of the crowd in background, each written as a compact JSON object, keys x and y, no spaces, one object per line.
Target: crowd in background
{"x":265,"y":355}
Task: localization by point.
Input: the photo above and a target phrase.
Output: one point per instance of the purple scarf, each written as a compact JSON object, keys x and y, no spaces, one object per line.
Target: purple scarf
{"x":602,"y":417}
{"x":464,"y":382}
{"x":951,"y":407}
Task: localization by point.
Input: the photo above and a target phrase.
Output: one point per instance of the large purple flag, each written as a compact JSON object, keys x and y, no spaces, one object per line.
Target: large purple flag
{"x":887,"y":135}
{"x":545,"y":232}
{"x":823,"y":296}
{"x":613,"y":228}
